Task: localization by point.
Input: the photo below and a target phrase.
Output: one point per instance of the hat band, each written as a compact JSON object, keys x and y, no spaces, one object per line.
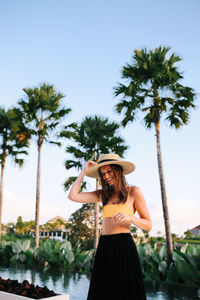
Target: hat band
{"x":107,"y":160}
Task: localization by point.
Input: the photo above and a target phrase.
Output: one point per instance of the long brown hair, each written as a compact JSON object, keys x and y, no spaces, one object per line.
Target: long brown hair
{"x":120,"y":185}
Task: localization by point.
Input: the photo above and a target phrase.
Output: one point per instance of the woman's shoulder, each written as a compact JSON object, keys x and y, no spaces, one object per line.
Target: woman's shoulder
{"x":136,"y":193}
{"x":133,"y":189}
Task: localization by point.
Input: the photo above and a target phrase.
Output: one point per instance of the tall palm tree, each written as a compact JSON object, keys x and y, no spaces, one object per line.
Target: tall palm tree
{"x":43,"y":112}
{"x":94,"y":136}
{"x":154,"y":87}
{"x":14,"y":139}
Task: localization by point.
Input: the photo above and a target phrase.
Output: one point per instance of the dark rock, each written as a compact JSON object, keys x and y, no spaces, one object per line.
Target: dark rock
{"x":25,"y":289}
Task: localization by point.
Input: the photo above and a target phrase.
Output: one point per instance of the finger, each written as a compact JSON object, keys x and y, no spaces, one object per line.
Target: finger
{"x":119,"y":218}
{"x":115,"y":218}
{"x":91,"y":163}
{"x":117,"y":214}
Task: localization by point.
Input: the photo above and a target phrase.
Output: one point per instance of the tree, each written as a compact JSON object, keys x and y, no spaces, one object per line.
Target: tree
{"x":188,"y":234}
{"x":29,"y":226}
{"x":43,"y":113}
{"x":53,"y":226}
{"x":14,"y":139}
{"x":9,"y":228}
{"x":20,"y":225}
{"x":81,"y":227}
{"x":94,"y":136}
{"x":154,"y":88}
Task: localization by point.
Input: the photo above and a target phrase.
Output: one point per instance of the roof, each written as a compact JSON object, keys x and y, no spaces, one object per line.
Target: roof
{"x":55,"y":219}
{"x":195,"y":228}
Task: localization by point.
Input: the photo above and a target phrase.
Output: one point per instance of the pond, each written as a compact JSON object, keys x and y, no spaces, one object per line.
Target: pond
{"x":76,"y":285}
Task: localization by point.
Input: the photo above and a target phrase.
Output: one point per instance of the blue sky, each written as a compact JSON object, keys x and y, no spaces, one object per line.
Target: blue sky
{"x":80,"y":47}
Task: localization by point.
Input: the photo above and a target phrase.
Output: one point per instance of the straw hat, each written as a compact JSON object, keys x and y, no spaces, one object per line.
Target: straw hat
{"x":108,"y":159}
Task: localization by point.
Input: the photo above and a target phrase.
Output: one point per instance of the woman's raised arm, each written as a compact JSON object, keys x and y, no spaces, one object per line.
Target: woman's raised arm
{"x":83,"y":197}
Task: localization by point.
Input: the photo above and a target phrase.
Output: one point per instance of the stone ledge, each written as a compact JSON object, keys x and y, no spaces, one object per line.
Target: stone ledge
{"x":9,"y":296}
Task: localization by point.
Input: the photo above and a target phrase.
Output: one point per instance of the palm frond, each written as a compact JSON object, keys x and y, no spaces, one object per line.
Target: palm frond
{"x":77,"y":153}
{"x":68,"y":183}
{"x":149,"y":73}
{"x":54,"y":143}
{"x":72,"y":164}
{"x":19,"y":161}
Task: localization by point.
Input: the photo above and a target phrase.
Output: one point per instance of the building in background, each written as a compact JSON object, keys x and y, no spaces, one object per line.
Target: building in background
{"x":55,"y":228}
{"x":195,"y":231}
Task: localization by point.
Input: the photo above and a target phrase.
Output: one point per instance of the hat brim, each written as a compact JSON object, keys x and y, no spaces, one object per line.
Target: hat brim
{"x":127,"y":166}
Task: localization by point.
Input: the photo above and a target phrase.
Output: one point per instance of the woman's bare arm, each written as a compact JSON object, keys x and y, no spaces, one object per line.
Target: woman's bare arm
{"x":83,"y":197}
{"x":144,"y":222}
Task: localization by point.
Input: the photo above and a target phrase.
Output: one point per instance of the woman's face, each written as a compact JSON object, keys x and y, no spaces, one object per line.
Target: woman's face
{"x":107,"y":174}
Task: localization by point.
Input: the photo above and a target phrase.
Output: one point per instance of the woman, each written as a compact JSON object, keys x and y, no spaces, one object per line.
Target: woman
{"x":116,"y":272}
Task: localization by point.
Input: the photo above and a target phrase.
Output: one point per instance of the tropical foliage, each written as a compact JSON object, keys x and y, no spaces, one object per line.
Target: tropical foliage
{"x":185,"y":268}
{"x":50,"y":253}
{"x":154,"y":88}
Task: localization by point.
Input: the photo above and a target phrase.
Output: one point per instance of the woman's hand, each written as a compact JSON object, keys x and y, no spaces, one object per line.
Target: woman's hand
{"x":122,"y":219}
{"x":88,"y":165}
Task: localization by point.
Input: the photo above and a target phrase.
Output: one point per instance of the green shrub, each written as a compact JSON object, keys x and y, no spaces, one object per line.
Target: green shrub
{"x":184,"y":269}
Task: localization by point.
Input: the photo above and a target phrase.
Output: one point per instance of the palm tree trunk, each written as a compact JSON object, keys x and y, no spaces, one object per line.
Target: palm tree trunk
{"x":164,"y":198}
{"x":96,"y":233}
{"x":37,"y":198}
{"x":1,"y":194}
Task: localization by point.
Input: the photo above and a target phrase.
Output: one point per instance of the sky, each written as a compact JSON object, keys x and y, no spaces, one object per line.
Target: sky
{"x":80,"y":47}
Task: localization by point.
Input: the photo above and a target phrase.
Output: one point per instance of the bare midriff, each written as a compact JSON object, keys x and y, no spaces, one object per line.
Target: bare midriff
{"x":110,"y":227}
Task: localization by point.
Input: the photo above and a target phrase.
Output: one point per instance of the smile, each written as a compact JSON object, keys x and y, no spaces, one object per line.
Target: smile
{"x":109,"y":180}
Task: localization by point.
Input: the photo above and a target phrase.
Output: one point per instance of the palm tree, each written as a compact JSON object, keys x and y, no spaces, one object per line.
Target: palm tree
{"x":14,"y":142}
{"x":153,"y":87}
{"x":42,"y":111}
{"x":94,"y":136}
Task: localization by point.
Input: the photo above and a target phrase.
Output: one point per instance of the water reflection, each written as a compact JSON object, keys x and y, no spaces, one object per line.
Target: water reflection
{"x":76,"y":285}
{"x":156,"y":290}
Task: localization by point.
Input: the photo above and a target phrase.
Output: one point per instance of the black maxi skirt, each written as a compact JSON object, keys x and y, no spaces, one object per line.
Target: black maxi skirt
{"x":116,"y":273}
